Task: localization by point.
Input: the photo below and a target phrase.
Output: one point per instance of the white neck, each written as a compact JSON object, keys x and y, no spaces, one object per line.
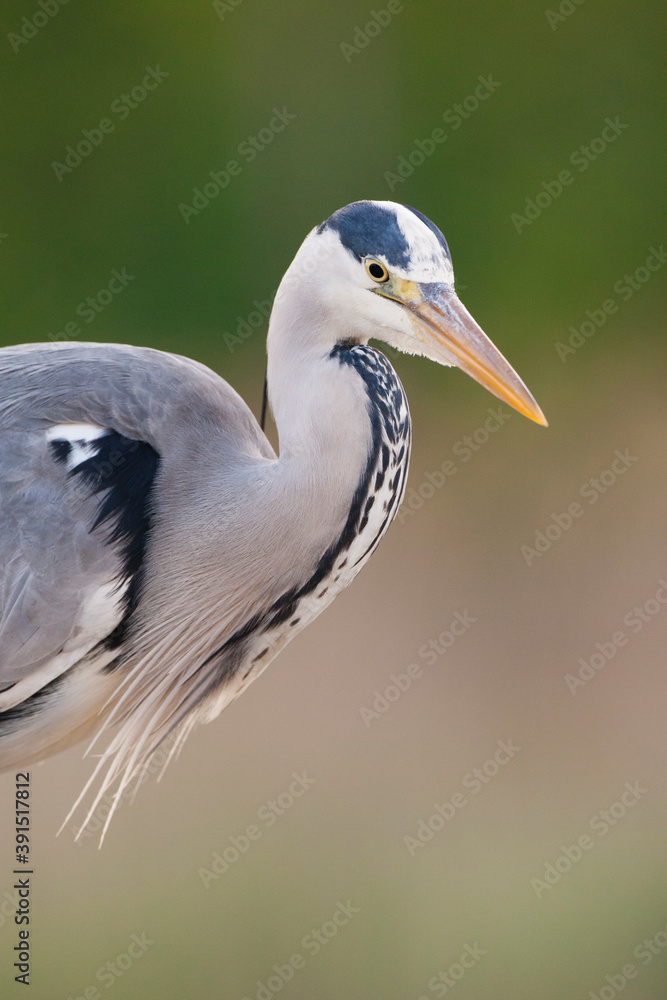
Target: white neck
{"x":319,"y":405}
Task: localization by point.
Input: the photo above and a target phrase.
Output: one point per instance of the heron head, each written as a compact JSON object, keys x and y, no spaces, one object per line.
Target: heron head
{"x":384,"y":271}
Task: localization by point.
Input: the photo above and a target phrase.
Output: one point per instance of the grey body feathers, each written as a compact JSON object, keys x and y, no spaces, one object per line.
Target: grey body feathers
{"x":242,"y":549}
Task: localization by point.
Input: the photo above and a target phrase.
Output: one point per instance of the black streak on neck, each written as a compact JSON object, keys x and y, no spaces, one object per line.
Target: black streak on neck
{"x":375,"y":371}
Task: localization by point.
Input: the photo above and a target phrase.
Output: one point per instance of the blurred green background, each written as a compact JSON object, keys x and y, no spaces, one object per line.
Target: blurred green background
{"x":561,"y":72}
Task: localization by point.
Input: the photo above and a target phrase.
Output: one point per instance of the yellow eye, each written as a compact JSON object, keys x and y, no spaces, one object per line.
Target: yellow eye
{"x":377,"y":271}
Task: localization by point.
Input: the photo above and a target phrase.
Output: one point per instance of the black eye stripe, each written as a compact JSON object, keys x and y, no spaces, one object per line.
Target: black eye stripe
{"x":367,"y":228}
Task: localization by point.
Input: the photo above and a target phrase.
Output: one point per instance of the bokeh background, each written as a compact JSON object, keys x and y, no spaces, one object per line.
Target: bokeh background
{"x":559,"y":72}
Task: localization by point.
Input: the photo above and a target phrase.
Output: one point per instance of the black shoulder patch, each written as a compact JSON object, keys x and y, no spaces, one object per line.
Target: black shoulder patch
{"x":124,"y":472}
{"x":432,"y":226}
{"x":366,"y":229}
{"x":60,"y":451}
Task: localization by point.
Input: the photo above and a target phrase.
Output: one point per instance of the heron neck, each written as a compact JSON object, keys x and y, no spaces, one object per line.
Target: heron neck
{"x":320,"y":407}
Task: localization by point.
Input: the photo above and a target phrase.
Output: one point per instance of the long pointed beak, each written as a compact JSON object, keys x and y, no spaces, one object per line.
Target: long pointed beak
{"x":448,"y":329}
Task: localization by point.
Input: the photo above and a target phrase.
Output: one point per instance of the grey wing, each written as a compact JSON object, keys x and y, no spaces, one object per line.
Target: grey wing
{"x":84,"y":429}
{"x":63,"y":580}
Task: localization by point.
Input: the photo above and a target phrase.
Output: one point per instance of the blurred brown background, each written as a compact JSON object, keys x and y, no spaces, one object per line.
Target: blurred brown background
{"x":501,"y":881}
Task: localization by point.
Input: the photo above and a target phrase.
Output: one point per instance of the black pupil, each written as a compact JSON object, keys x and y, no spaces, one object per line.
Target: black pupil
{"x":376,"y":270}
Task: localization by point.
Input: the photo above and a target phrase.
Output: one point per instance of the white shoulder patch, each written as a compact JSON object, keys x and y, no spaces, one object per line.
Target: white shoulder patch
{"x":80,"y":438}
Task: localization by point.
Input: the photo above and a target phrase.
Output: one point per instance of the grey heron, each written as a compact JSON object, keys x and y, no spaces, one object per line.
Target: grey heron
{"x":156,"y":553}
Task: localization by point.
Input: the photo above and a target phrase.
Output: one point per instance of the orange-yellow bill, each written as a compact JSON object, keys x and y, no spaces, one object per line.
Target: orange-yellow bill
{"x":447,"y":328}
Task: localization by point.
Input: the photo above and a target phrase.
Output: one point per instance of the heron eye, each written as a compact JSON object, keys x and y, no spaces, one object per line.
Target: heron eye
{"x":377,"y":271}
